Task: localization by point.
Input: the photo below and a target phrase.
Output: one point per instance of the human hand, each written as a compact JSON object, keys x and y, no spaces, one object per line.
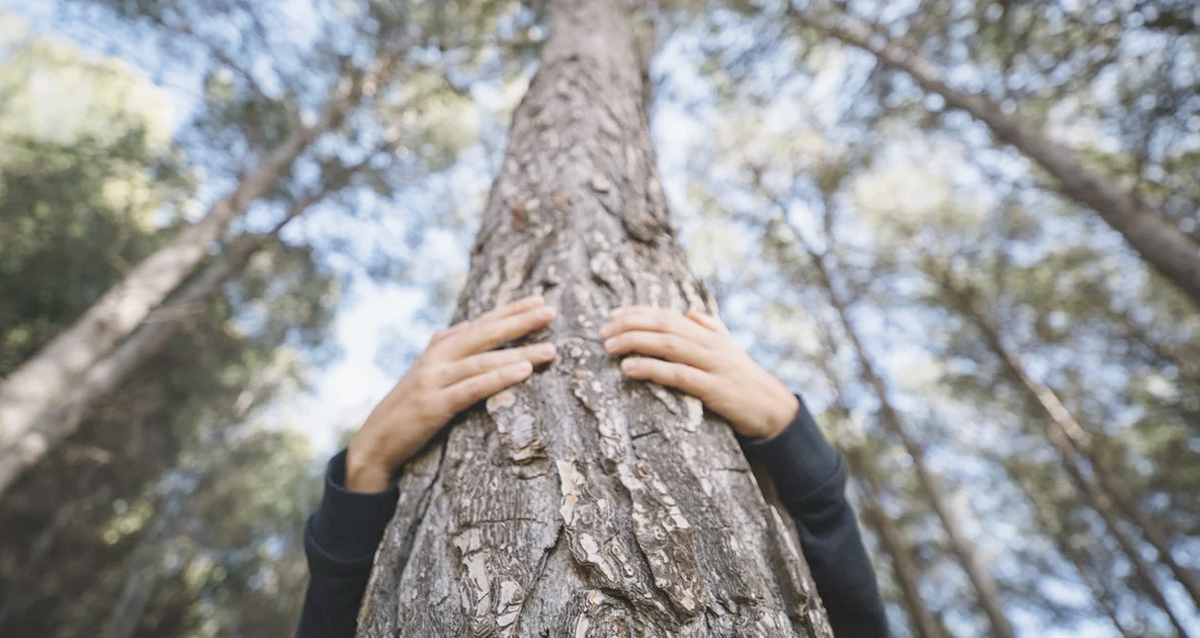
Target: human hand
{"x":694,"y":353}
{"x":457,"y":370}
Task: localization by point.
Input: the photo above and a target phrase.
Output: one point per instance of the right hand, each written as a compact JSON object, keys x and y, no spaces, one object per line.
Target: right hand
{"x":458,"y":369}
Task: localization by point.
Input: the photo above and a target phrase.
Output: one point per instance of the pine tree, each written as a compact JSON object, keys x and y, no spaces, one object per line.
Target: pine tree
{"x":577,"y":503}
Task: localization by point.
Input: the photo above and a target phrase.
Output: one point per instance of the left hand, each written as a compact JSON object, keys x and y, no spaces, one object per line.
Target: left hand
{"x":694,"y":353}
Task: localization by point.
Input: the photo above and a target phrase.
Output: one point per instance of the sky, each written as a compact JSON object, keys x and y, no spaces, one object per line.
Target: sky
{"x":377,"y":328}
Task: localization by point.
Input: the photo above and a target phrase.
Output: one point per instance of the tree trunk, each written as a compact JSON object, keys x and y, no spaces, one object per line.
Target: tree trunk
{"x":62,"y":418}
{"x":1057,"y":432}
{"x":1067,"y":432}
{"x":34,"y":389}
{"x":579,"y":503}
{"x":1100,"y":592}
{"x":908,"y":575}
{"x":985,"y":586}
{"x":1103,"y":506}
{"x":1149,"y":231}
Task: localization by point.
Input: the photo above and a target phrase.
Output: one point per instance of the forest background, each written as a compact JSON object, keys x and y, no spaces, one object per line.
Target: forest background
{"x":961,"y":229}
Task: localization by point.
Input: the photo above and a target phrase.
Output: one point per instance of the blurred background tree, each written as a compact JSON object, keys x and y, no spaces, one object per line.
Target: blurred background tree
{"x":896,"y":203}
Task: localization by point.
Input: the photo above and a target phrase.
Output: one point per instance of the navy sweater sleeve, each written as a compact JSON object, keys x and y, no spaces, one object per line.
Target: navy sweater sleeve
{"x":810,"y":475}
{"x":340,"y":540}
{"x":341,"y":537}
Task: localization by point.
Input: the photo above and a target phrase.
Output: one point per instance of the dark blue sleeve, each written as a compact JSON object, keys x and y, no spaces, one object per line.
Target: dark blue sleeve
{"x":340,"y":540}
{"x":810,"y":475}
{"x":342,"y":536}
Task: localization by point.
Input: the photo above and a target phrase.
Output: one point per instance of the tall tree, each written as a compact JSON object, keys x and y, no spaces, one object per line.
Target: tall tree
{"x":107,"y":372}
{"x":575,"y":503}
{"x":1151,"y":232}
{"x":1067,"y":435}
{"x":1067,"y":545}
{"x":278,"y":136}
{"x":31,"y":391}
{"x":824,"y":267}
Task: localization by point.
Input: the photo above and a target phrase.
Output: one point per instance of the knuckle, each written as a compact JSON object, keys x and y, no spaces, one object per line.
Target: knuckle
{"x":670,"y":345}
{"x":473,"y":388}
{"x":436,"y":375}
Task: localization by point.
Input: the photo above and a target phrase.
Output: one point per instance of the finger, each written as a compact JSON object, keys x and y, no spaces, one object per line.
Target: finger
{"x":663,"y":345}
{"x":654,"y":320}
{"x":442,"y":333}
{"x":470,"y":391}
{"x":478,"y":364}
{"x":505,"y":310}
{"x":511,"y":308}
{"x":676,"y":375}
{"x":708,"y":321}
{"x":485,"y":336}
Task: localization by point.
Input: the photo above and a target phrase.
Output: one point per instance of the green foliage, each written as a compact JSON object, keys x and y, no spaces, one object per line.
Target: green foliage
{"x":75,"y":213}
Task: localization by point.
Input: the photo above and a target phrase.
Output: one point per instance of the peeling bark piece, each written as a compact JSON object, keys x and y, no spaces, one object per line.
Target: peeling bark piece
{"x":518,"y":426}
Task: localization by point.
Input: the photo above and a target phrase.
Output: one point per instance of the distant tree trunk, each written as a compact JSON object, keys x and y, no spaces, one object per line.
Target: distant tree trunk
{"x":1078,"y":556}
{"x":578,"y":503}
{"x":985,"y":586}
{"x":63,"y":417}
{"x":130,"y":605}
{"x":22,"y":583}
{"x":908,"y":575}
{"x":1103,"y":506}
{"x":1149,"y":231}
{"x":1096,"y":498}
{"x":1071,"y":438}
{"x":34,"y":389}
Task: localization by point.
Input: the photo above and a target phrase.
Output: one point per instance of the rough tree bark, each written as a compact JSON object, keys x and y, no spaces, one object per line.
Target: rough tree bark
{"x":34,"y":389}
{"x":1149,"y":231}
{"x":578,"y":503}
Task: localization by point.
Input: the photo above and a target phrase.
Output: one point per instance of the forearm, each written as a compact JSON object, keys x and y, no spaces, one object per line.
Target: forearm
{"x":810,"y":476}
{"x":340,"y":541}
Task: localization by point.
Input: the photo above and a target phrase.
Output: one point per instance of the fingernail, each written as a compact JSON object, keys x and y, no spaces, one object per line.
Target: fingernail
{"x":544,"y":349}
{"x":609,"y":344}
{"x":629,"y":365}
{"x":606,"y":330}
{"x":546,"y":313}
{"x":616,"y":311}
{"x":525,"y":367}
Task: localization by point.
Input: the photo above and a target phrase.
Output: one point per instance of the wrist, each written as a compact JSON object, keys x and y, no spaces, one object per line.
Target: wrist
{"x":783,"y":412}
{"x":365,"y":473}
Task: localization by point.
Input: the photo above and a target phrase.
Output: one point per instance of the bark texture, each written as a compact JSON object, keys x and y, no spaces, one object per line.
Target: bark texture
{"x":1148,"y":230}
{"x":578,"y":503}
